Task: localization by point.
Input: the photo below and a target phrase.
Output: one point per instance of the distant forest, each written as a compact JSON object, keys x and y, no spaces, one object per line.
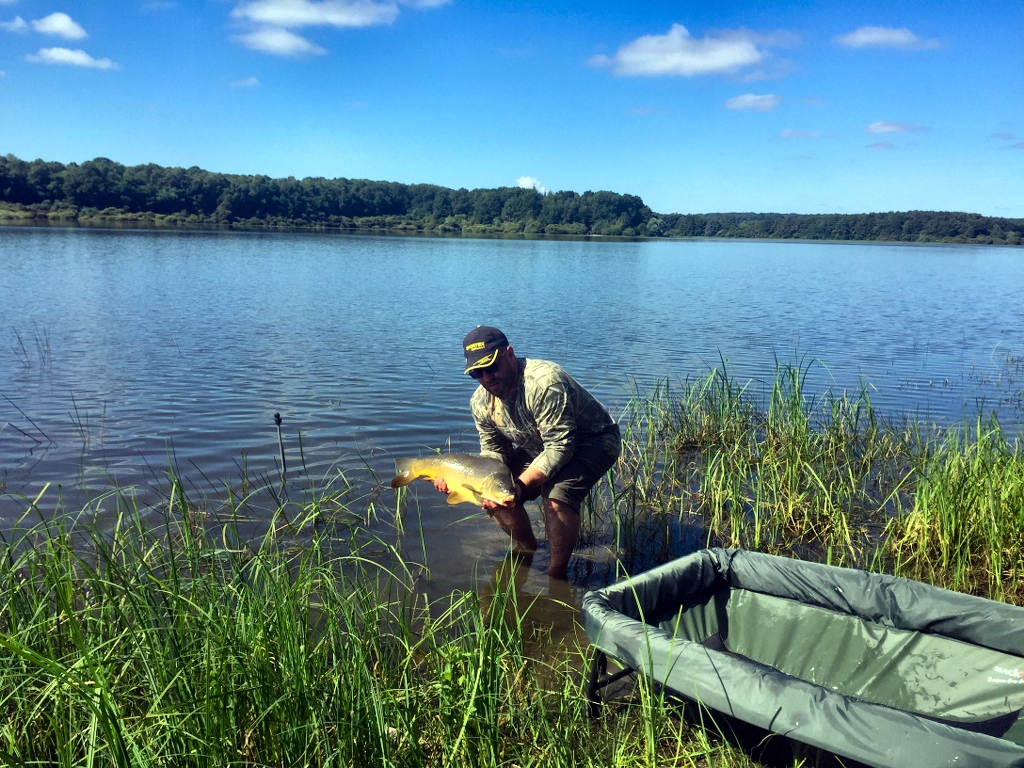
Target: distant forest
{"x":101,"y":191}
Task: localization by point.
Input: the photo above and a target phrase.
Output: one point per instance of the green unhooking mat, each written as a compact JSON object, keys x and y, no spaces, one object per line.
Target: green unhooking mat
{"x":879,"y":669}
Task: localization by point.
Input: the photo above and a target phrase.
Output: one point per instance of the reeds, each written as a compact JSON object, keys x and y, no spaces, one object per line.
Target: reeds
{"x":161,"y":638}
{"x":820,"y":478}
{"x":965,"y":530}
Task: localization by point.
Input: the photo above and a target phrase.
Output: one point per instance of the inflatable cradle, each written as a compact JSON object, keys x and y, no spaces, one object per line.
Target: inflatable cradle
{"x":882,"y":670}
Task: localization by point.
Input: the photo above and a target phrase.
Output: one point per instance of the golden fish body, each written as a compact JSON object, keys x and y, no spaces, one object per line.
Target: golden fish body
{"x":470,"y":478}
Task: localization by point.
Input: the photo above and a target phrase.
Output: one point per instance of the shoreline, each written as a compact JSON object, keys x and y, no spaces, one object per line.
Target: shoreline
{"x":160,"y":223}
{"x":104,"y":192}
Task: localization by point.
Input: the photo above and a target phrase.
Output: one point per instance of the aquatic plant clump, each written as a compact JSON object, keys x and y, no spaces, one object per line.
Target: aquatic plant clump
{"x":824,"y":478}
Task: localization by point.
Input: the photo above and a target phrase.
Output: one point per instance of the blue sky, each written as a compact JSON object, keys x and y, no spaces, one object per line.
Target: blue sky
{"x":806,"y":107}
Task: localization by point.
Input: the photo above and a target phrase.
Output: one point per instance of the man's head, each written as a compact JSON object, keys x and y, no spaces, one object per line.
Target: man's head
{"x":491,"y":361}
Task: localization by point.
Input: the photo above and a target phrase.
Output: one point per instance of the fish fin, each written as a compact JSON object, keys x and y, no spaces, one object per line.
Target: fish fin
{"x":464,"y":494}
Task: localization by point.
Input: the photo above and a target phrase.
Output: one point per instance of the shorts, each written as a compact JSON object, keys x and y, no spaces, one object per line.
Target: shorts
{"x":573,"y":481}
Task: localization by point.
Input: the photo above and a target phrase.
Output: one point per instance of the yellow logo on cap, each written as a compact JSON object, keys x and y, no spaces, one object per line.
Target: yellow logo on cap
{"x":475,"y":346}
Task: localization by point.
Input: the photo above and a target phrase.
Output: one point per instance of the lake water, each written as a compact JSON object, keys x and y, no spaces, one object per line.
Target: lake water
{"x":123,"y":350}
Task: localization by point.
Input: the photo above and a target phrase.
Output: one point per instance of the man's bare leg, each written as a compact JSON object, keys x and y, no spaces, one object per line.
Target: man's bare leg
{"x":516,"y":523}
{"x":563,"y":525}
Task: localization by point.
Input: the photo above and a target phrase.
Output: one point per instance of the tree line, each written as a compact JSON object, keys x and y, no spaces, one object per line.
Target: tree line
{"x":102,"y":190}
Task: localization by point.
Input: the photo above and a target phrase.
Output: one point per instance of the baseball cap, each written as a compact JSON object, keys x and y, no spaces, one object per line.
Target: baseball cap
{"x":482,"y":346}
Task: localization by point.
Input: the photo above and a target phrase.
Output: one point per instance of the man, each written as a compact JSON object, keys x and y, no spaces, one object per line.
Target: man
{"x":554,"y":436}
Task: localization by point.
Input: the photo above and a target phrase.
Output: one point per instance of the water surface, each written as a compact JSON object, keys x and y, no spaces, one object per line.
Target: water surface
{"x":124,"y":351}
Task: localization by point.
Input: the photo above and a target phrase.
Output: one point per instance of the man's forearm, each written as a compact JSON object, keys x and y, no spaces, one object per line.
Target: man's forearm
{"x":531,"y":478}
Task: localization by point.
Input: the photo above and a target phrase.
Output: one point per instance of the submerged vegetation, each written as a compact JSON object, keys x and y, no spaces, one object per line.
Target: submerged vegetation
{"x":162,"y":637}
{"x":101,"y":191}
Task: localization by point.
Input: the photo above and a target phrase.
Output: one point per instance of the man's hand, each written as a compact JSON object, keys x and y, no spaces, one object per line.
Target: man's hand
{"x":490,"y":507}
{"x":530,"y":479}
{"x":441,"y":485}
{"x":520,"y":491}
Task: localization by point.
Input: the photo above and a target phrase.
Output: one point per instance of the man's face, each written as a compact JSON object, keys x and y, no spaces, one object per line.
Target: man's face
{"x":501,"y":376}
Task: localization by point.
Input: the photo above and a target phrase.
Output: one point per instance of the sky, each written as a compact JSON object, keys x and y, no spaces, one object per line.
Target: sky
{"x":802,"y":107}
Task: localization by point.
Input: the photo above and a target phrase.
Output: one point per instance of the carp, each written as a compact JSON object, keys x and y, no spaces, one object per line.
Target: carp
{"x":471,"y":478}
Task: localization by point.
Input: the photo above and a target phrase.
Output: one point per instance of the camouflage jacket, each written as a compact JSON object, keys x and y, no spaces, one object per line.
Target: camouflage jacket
{"x":548,"y":416}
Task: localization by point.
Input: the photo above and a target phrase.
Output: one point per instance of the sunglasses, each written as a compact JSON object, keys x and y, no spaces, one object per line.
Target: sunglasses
{"x":492,"y":368}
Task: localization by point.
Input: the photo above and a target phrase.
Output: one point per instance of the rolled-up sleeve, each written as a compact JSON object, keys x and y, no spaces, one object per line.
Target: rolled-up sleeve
{"x":556,"y":421}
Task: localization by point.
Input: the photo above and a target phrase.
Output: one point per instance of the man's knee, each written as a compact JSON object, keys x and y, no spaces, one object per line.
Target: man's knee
{"x":516,"y":523}
{"x":563,"y":527}
{"x":507,"y":516}
{"x":561,"y":509}
{"x":562,"y":523}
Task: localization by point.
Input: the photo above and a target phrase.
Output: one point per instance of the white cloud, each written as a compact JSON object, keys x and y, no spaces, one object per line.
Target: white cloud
{"x":884,"y":37}
{"x":271,"y":21}
{"x":2,"y":74}
{"x":304,"y":13}
{"x":528,"y":182}
{"x":881,"y":145}
{"x":759,"y":103}
{"x":888,"y":126}
{"x":17,"y":25}
{"x":278,"y":41}
{"x":814,"y":101}
{"x":8,"y":2}
{"x":777,"y":70}
{"x":61,"y":25}
{"x":679,"y":53}
{"x":246,"y":82}
{"x":68,"y":57}
{"x":796,"y":133}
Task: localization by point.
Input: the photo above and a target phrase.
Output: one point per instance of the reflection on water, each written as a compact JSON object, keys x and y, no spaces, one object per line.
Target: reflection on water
{"x":546,"y":610}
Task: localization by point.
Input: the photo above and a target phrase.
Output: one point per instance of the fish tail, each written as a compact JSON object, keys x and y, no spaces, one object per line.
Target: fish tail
{"x":405,"y":475}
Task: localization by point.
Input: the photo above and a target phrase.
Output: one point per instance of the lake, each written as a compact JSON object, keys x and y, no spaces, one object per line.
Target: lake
{"x":122,"y":352}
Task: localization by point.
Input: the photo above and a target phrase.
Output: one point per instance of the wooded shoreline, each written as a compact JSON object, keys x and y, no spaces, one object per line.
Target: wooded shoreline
{"x":102,"y":192}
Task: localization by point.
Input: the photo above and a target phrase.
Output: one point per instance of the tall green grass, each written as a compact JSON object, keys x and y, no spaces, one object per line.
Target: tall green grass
{"x":965,"y":529}
{"x":162,"y":636}
{"x":816,"y":477}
